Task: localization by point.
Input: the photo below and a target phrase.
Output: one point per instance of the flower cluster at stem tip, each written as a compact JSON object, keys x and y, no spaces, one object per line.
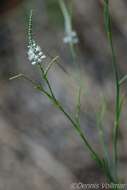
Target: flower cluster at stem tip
{"x":35,"y":54}
{"x":71,"y":37}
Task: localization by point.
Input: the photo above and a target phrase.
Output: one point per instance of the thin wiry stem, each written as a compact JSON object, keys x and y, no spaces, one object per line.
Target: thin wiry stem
{"x":53,"y":61}
{"x":35,"y":85}
{"x":122,"y":80}
{"x":117,"y":86}
{"x":74,"y":124}
{"x":46,"y":80}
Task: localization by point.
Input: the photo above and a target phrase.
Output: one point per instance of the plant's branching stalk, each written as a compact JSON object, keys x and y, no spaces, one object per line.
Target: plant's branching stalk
{"x":46,"y":80}
{"x":16,"y":76}
{"x":74,"y":124}
{"x":35,"y":85}
{"x":35,"y":56}
{"x":19,"y":76}
{"x":100,"y":162}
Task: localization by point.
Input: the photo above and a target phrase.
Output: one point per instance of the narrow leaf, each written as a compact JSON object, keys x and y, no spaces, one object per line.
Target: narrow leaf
{"x":122,"y":80}
{"x":53,"y":61}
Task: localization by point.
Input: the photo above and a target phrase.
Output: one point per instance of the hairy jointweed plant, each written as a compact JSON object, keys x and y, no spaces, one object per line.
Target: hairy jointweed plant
{"x":108,"y":165}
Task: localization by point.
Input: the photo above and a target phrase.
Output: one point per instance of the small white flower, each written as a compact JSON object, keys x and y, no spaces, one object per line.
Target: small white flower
{"x":40,"y":53}
{"x":35,"y":54}
{"x":33,"y":62}
{"x":71,"y":37}
{"x":30,"y":54}
{"x":38,"y":49}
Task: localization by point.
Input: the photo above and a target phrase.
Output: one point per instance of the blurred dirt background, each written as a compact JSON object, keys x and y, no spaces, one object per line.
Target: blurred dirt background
{"x":38,"y":148}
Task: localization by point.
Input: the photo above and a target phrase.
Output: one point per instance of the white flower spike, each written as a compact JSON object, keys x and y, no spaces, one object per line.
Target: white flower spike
{"x":71,"y":37}
{"x":35,"y":54}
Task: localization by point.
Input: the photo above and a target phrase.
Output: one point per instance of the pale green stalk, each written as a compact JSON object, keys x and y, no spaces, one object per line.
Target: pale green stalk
{"x":117,"y":87}
{"x":100,"y":117}
{"x":67,"y":14}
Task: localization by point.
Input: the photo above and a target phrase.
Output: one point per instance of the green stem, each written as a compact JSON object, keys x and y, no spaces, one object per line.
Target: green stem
{"x":117,"y":111}
{"x":117,"y":89}
{"x":74,"y":124}
{"x":78,"y":129}
{"x":46,"y":80}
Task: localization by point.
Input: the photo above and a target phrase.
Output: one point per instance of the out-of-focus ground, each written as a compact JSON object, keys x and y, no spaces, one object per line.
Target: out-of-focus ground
{"x":38,"y":148}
